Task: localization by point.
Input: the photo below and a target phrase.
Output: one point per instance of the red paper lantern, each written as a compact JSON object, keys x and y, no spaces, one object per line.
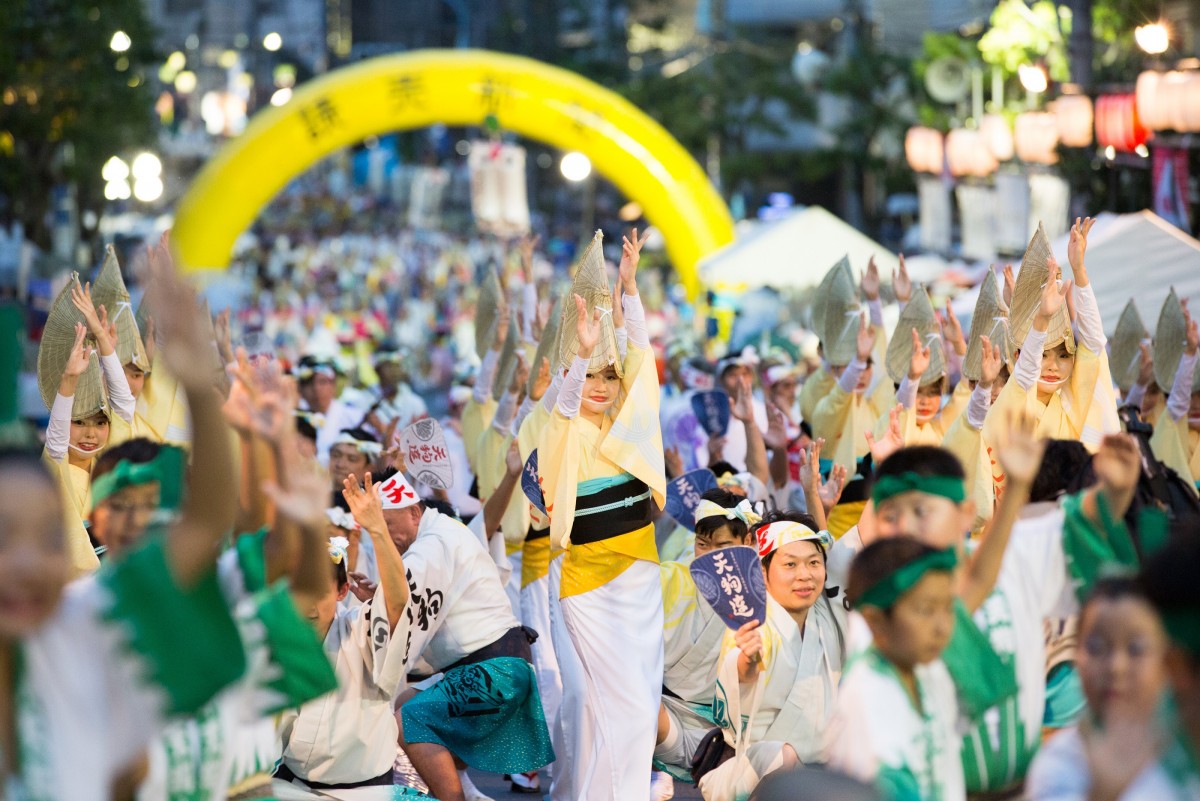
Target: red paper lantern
{"x":1117,"y":123}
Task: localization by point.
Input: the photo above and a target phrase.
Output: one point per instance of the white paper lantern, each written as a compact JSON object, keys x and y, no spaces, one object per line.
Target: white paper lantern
{"x":1074,"y":116}
{"x":998,"y":136}
{"x":924,"y":149}
{"x":967,"y":154}
{"x":1169,"y":101}
{"x":1036,"y":137}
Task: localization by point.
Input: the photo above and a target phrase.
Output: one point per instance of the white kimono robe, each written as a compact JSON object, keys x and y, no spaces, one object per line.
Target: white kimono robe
{"x":96,"y":683}
{"x":350,"y":735}
{"x":878,"y":736}
{"x":458,"y":604}
{"x":1060,"y":773}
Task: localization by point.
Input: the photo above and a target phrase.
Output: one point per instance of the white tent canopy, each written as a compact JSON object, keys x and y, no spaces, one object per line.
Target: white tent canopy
{"x":794,"y":252}
{"x":1139,"y":256}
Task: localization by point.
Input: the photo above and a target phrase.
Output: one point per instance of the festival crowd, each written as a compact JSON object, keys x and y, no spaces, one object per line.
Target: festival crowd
{"x":255,"y":557}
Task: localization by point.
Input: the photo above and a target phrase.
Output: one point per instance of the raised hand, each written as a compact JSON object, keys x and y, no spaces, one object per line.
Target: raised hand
{"x":618,"y":310}
{"x":1053,"y":296}
{"x":81,"y":296}
{"x":631,"y":254}
{"x":1010,"y":285}
{"x":870,"y":280}
{"x":673,"y":462}
{"x":224,"y":338}
{"x":502,"y":322}
{"x":810,"y":465}
{"x":186,"y":343}
{"x":364,"y":504}
{"x":587,"y":328}
{"x":150,"y":342}
{"x":865,"y":343}
{"x":919,"y":362}
{"x":80,"y":358}
{"x":952,"y":330}
{"x":542,"y":382}
{"x":989,"y":371}
{"x":741,"y":405}
{"x":513,"y":465}
{"x":303,"y":500}
{"x":901,"y":283}
{"x":1193,"y":333}
{"x":1077,"y":247}
{"x":830,"y":492}
{"x":520,"y":376}
{"x":1118,"y":463}
{"x":1145,"y":365}
{"x":776,"y":437}
{"x":892,"y":440}
{"x":362,"y":587}
{"x":527,"y":245}
{"x":1019,"y":450}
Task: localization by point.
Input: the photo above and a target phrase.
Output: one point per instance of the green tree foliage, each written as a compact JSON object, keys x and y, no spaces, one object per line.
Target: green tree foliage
{"x":67,"y":101}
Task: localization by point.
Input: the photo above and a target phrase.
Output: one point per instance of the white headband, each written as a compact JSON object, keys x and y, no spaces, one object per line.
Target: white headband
{"x":744,"y":511}
{"x":341,"y":518}
{"x":397,"y":493}
{"x":337,"y":549}
{"x":365,"y":446}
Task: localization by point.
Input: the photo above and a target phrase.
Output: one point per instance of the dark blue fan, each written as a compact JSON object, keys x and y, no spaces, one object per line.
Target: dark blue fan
{"x":731,"y":581}
{"x":683,"y":495}
{"x":530,"y":484}
{"x":712,"y":410}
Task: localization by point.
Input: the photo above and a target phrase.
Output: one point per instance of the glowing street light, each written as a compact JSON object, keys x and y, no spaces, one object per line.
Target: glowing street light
{"x":1153,"y":38}
{"x":575,"y":166}
{"x":114,"y":170}
{"x":272,"y":41}
{"x":120,"y":42}
{"x":1033,"y":78}
{"x":185,"y":82}
{"x":148,"y":189}
{"x":281,"y":96}
{"x":146,"y":165}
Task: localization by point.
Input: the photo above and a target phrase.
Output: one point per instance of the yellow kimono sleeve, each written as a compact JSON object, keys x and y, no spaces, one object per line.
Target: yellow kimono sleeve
{"x":475,"y":418}
{"x":75,"y":486}
{"x":1056,"y":419}
{"x":815,"y":387}
{"x":967,"y":444}
{"x":491,"y":450}
{"x":843,"y":419}
{"x":954,"y":407}
{"x":1173,"y":445}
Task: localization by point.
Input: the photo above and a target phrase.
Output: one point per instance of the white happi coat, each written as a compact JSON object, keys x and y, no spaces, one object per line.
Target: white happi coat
{"x":801,"y":671}
{"x":458,"y":604}
{"x":876,"y":729}
{"x":350,"y":735}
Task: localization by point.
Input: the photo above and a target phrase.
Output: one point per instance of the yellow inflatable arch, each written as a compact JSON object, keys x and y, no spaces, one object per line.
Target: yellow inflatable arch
{"x":454,"y":87}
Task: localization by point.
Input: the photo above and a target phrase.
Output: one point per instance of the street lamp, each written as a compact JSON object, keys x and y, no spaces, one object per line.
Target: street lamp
{"x":281,"y":96}
{"x":272,"y":41}
{"x":1033,"y":78}
{"x":185,"y":82}
{"x":120,"y":42}
{"x":575,"y":166}
{"x":1153,"y":38}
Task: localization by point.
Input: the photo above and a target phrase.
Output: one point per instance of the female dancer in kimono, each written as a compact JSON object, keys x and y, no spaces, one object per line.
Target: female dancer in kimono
{"x":152,"y":628}
{"x":1065,"y":387}
{"x":601,"y":463}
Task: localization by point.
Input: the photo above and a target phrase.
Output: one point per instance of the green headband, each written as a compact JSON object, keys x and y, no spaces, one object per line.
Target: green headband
{"x":166,"y":468}
{"x":1183,"y":627}
{"x":948,"y":487}
{"x":888,"y":590}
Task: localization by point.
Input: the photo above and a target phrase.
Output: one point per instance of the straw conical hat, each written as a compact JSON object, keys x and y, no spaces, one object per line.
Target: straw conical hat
{"x":507,"y":364}
{"x":837,"y":273}
{"x":1170,"y":340}
{"x":591,"y":284}
{"x":58,"y":338}
{"x":918,"y":314}
{"x":487,"y":311}
{"x":548,"y":345}
{"x":990,"y":320}
{"x":1027,"y":297}
{"x":109,"y":291}
{"x":840,"y":315}
{"x":1125,"y":347}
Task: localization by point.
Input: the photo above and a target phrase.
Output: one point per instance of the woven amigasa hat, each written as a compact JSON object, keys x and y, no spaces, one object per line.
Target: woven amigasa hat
{"x":918,"y":314}
{"x":591,"y":284}
{"x":990,"y":319}
{"x":1170,"y":341}
{"x":58,"y":338}
{"x":838,"y":310}
{"x":823,"y":289}
{"x":1027,"y":297}
{"x":1125,"y":347}
{"x":547,"y":346}
{"x":488,"y":307}
{"x":507,"y":363}
{"x":109,"y":291}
